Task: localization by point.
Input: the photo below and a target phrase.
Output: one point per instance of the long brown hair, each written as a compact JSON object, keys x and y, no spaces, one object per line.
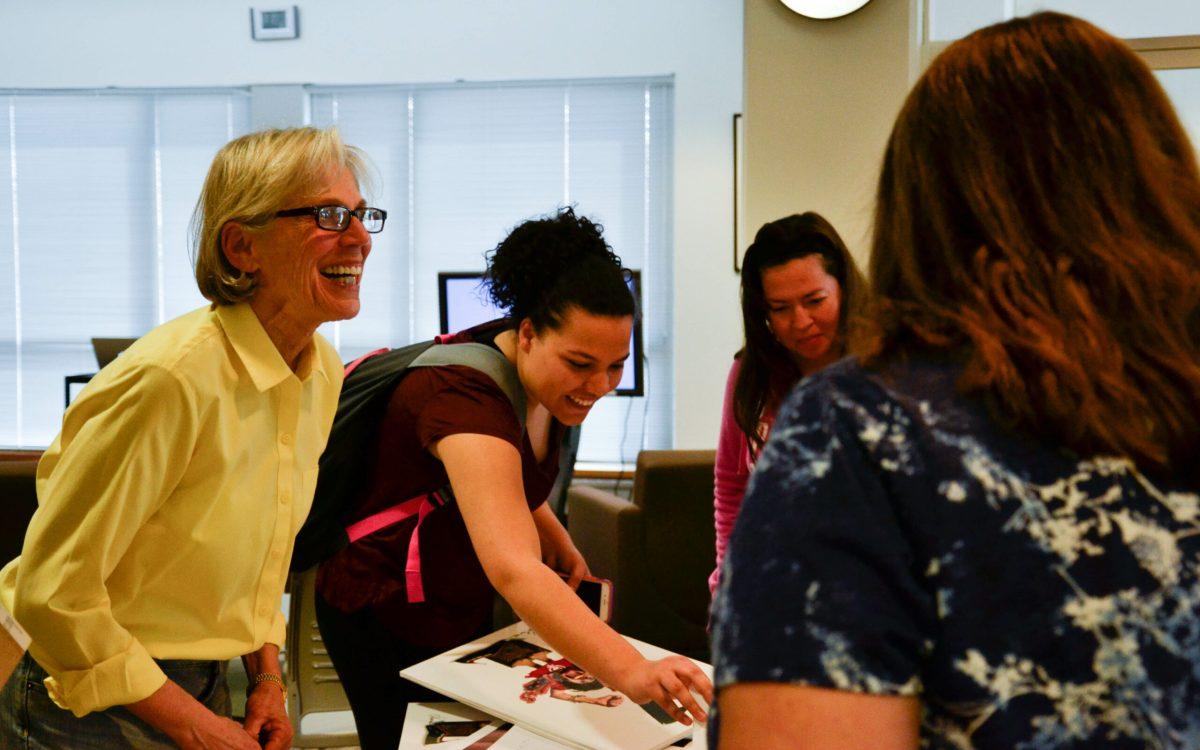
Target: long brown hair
{"x":767,"y":369}
{"x":1039,"y":215}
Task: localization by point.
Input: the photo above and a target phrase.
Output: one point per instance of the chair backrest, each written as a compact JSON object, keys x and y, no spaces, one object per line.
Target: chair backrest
{"x":313,"y":685}
{"x":674,"y":488}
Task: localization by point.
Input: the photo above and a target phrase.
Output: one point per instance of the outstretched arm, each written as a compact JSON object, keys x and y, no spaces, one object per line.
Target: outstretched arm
{"x":485,"y":473}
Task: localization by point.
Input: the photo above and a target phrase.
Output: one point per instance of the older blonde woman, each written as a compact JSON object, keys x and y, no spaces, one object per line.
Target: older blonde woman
{"x":169,"y":501}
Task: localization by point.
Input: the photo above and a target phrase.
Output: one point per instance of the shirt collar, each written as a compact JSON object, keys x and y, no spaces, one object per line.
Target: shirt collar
{"x":259,"y":356}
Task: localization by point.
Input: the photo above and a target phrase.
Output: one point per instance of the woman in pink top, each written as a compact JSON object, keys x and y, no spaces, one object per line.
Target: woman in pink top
{"x":799,"y":287}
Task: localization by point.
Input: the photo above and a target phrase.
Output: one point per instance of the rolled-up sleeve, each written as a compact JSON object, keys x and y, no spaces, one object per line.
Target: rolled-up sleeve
{"x":123,"y":448}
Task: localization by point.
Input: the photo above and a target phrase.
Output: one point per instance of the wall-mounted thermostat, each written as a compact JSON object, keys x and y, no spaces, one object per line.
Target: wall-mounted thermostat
{"x":280,"y":22}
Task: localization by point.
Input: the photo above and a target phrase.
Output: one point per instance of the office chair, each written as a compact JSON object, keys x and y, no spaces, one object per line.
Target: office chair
{"x":313,"y":686}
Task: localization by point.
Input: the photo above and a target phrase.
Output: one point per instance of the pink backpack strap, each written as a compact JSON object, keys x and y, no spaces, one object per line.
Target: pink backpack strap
{"x":412,"y":567}
{"x":354,"y":365}
{"x":384,"y":518}
{"x":420,"y":507}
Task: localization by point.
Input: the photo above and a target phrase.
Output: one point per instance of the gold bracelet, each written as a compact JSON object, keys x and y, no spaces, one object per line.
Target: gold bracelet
{"x":270,"y":677}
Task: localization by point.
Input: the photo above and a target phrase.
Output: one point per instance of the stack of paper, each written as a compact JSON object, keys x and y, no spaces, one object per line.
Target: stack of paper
{"x":435,"y":724}
{"x":514,"y":676}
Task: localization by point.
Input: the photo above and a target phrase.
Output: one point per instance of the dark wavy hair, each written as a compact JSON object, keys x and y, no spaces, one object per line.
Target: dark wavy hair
{"x":767,"y":370}
{"x":1038,"y":218}
{"x":546,"y":266}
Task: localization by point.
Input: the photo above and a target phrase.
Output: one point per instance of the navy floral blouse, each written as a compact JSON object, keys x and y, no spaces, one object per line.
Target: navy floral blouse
{"x":894,"y":541}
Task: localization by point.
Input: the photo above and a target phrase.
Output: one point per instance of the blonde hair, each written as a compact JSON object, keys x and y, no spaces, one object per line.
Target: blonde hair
{"x":249,"y":180}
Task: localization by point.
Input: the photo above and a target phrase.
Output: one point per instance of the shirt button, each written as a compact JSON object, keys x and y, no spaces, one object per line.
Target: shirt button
{"x":264,"y":611}
{"x":285,"y":497}
{"x":286,"y":438}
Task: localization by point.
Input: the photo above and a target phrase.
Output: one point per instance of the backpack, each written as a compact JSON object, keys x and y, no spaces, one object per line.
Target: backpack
{"x":367,"y":387}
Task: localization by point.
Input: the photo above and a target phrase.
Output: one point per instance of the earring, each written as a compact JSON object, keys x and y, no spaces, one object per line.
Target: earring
{"x":243,"y":282}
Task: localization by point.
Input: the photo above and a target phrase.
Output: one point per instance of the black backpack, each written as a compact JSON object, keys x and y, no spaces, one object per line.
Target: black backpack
{"x":366,"y":390}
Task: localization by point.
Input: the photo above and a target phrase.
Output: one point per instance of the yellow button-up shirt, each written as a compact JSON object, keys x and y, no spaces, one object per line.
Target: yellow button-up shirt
{"x":168,"y":505}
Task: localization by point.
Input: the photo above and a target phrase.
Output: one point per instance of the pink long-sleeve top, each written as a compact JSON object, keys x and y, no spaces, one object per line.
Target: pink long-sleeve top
{"x":732,"y":470}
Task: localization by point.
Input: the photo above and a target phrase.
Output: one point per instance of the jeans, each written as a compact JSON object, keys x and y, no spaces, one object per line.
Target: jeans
{"x":29,"y":720}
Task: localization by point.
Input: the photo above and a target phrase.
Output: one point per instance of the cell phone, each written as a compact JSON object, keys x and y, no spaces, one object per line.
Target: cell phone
{"x":596,"y":593}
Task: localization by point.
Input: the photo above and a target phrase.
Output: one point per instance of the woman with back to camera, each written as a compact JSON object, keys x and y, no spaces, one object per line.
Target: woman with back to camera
{"x":800,"y":286}
{"x":985,"y":533}
{"x":168,"y":504}
{"x":566,"y":337}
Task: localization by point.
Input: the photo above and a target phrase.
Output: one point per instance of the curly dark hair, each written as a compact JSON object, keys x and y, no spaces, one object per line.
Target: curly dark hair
{"x":547,"y":265}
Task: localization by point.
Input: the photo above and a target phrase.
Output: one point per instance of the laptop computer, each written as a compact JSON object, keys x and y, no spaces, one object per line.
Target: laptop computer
{"x":107,"y":349}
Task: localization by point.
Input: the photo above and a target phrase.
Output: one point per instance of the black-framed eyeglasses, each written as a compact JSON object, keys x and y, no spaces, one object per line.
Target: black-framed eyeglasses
{"x":337,"y":218}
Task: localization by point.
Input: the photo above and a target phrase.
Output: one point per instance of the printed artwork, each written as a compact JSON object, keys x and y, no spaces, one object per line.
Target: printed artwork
{"x":448,"y":726}
{"x":514,"y":675}
{"x":437,"y":732}
{"x":558,"y":678}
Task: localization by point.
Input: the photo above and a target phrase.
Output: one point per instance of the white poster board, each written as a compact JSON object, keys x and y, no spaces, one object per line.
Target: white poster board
{"x":514,"y":675}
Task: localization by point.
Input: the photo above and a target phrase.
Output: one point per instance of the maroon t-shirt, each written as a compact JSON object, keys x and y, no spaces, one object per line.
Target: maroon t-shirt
{"x":429,"y":404}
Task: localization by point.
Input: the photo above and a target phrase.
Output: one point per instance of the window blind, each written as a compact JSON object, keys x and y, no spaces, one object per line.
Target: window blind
{"x":96,"y":191}
{"x":460,"y":165}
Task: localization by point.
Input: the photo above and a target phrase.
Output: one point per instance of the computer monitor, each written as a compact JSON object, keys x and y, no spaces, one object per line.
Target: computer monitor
{"x":463,"y":302}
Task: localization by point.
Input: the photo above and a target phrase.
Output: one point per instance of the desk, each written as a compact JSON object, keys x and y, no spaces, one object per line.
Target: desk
{"x":79,"y":379}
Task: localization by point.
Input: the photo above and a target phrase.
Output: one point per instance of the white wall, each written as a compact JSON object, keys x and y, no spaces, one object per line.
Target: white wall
{"x":130,"y":43}
{"x":821,"y":97}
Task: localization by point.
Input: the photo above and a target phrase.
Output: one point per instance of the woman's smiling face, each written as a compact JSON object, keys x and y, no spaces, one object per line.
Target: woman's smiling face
{"x":566,"y":369}
{"x":313,"y":274}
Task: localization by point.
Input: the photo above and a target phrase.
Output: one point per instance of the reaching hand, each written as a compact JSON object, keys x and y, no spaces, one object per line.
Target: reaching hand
{"x":669,"y":682}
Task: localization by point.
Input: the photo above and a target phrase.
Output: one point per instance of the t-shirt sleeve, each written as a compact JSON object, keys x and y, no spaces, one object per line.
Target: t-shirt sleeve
{"x":453,"y":400}
{"x":821,"y":585}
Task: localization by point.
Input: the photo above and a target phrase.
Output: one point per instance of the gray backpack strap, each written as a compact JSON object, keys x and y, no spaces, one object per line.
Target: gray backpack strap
{"x":485,"y":359}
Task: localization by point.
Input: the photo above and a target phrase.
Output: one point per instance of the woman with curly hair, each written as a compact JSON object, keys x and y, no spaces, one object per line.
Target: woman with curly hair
{"x":985,"y":531}
{"x":565,"y":340}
